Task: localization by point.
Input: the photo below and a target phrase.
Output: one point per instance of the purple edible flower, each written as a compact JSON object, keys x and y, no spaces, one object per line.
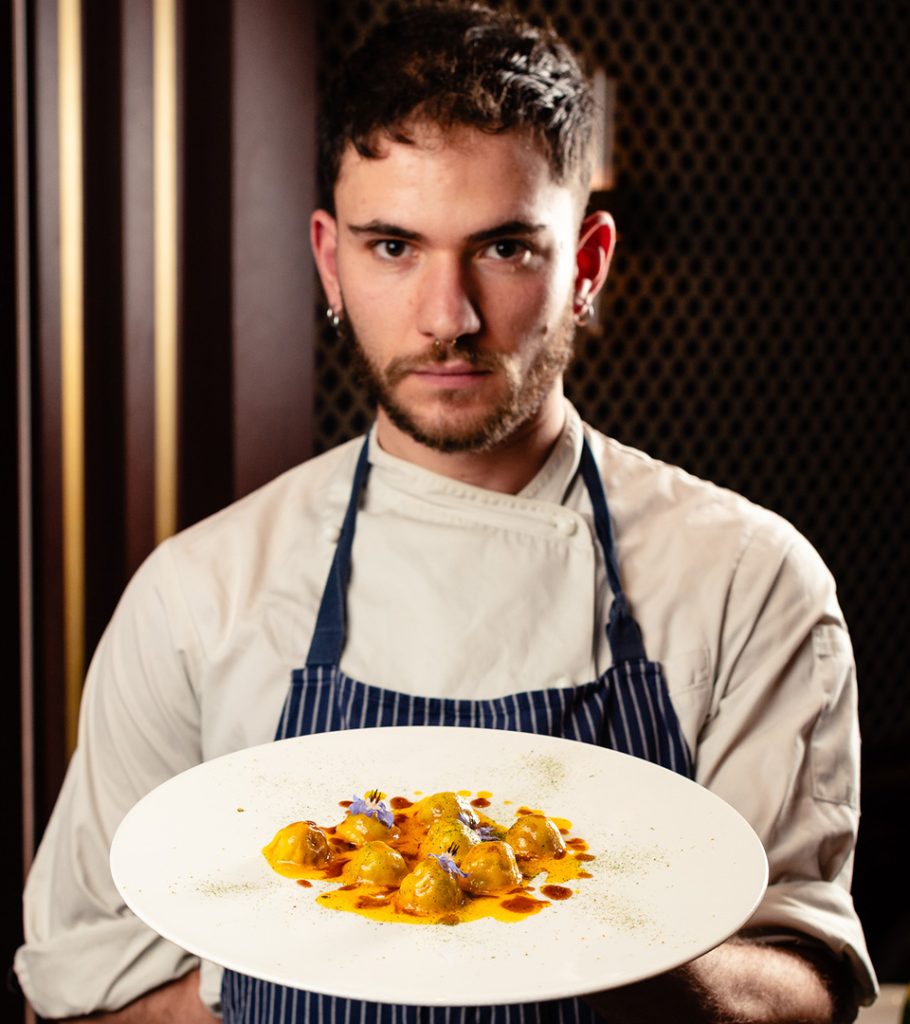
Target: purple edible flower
{"x":372,"y":807}
{"x":486,"y":833}
{"x":448,"y":865}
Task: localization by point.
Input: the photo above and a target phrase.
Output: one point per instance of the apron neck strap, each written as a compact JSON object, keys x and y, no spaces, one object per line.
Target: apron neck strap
{"x":327,"y":644}
{"x":328,"y":636}
{"x":623,"y":633}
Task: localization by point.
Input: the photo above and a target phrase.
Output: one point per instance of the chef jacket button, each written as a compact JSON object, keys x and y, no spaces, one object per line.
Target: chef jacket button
{"x":566,"y":526}
{"x":331,"y":532}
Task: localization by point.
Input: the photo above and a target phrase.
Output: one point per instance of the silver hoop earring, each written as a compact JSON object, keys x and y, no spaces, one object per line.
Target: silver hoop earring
{"x":333,"y":317}
{"x":583,"y":316}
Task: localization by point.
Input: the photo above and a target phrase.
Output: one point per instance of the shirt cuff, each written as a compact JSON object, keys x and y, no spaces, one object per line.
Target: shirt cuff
{"x":823,"y":911}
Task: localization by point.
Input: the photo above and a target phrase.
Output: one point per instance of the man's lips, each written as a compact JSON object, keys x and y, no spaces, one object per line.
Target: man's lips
{"x":450,"y":375}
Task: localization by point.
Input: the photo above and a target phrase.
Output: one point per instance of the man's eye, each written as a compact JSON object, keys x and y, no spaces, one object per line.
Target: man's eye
{"x":390,"y":248}
{"x":508,"y":249}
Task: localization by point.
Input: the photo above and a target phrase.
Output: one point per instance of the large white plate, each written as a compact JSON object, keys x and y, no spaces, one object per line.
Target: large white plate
{"x":677,"y":870}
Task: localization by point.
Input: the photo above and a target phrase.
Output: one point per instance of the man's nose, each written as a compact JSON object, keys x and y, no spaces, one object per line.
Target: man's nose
{"x":447,"y":308}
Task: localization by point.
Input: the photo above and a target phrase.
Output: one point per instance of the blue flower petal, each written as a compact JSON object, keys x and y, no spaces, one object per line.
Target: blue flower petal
{"x":372,"y":809}
{"x":449,"y":865}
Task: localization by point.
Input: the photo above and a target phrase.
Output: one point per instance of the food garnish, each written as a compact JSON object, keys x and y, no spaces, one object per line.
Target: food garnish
{"x":372,"y":806}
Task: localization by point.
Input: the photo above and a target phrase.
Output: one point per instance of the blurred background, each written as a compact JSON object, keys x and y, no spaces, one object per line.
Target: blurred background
{"x":164,"y":349}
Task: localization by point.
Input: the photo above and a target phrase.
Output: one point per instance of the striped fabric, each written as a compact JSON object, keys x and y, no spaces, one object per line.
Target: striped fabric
{"x":254,"y":1002}
{"x":627,"y":709}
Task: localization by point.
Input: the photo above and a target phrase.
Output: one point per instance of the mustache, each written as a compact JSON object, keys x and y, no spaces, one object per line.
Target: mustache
{"x":399,"y":367}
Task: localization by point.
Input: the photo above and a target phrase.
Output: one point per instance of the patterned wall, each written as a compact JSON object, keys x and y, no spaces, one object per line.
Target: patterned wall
{"x":751,"y":327}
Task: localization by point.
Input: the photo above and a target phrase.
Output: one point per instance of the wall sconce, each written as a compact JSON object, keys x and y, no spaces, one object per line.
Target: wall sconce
{"x":603,"y":179}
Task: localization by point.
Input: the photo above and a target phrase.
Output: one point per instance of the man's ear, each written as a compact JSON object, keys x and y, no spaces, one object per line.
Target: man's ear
{"x":596,"y":241}
{"x":324,"y":242}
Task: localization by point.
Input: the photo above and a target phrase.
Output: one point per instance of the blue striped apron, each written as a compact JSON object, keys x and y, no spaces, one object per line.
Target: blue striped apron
{"x":627,"y":708}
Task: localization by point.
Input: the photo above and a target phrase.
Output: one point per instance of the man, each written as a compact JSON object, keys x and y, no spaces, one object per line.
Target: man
{"x":455,"y":252}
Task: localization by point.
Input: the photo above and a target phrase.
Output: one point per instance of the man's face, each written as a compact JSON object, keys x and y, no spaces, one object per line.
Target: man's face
{"x":454,"y":262}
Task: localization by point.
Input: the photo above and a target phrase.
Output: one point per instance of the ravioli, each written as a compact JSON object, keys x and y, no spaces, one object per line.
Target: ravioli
{"x":437,"y":860}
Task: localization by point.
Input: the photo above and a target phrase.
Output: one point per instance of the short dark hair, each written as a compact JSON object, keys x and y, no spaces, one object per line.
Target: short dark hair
{"x":453,"y":65}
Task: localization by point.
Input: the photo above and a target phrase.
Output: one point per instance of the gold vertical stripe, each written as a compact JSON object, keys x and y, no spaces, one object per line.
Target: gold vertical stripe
{"x":72,"y":357}
{"x":165,"y":142}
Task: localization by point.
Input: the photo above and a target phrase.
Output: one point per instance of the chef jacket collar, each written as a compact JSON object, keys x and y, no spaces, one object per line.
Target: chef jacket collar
{"x":550,"y":484}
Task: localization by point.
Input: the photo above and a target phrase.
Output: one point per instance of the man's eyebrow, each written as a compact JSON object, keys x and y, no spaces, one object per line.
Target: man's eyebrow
{"x":508,"y":229}
{"x":378,"y":227}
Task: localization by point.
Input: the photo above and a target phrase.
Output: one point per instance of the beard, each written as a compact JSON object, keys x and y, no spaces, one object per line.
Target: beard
{"x":526,"y":388}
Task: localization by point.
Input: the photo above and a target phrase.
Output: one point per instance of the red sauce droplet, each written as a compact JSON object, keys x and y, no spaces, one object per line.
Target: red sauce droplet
{"x":577,"y":844}
{"x":399,"y":803}
{"x":585,"y":874}
{"x":523,"y":904}
{"x":480,"y":801}
{"x":583,"y":856}
{"x":347,"y":888}
{"x":400,"y":818}
{"x":521,"y":888}
{"x":556,"y":892}
{"x":559,"y":855}
{"x":563,"y":831}
{"x":345,"y":803}
{"x":334,"y":868}
{"x":306,"y":884}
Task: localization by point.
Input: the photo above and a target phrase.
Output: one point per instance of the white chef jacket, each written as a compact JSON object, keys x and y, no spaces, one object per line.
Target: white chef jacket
{"x":485,"y":594}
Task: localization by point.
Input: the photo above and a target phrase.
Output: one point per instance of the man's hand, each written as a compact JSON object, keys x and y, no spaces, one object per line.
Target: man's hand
{"x":177,"y":1001}
{"x":739,"y":982}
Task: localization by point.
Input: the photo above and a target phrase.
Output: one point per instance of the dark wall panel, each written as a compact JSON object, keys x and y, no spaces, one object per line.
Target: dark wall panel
{"x":273,"y":169}
{"x":138,"y":300}
{"x":205,"y":283}
{"x":14,"y":409}
{"x":47,"y":500}
{"x":104,"y":338}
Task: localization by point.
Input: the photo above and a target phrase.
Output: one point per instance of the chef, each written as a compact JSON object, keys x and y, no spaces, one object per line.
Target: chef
{"x":481,"y":558}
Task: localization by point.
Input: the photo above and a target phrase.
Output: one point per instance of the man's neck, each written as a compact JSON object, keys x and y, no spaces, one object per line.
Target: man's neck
{"x":507,"y":468}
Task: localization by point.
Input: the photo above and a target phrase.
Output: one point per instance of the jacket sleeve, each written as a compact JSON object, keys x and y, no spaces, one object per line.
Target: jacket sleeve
{"x":781,"y":742}
{"x":139,"y":725}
